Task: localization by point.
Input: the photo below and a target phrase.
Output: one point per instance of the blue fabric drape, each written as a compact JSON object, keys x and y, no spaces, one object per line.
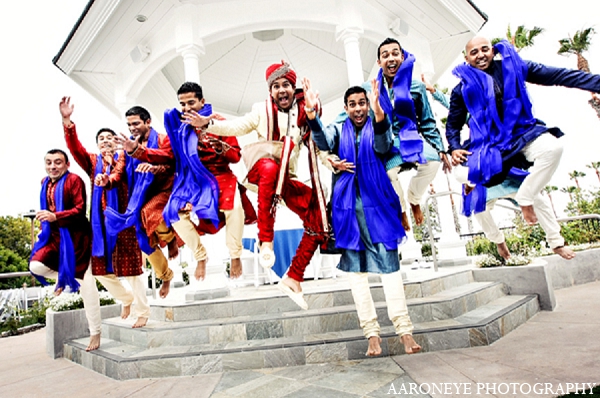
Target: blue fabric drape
{"x":138,"y":184}
{"x":193,"y":182}
{"x":103,"y":244}
{"x":489,"y":135}
{"x":403,"y":109}
{"x":66,"y":259}
{"x":381,"y":204}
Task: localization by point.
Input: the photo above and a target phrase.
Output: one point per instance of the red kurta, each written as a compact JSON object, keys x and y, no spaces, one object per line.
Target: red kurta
{"x":127,"y":256}
{"x":160,"y":190}
{"x":73,"y":218}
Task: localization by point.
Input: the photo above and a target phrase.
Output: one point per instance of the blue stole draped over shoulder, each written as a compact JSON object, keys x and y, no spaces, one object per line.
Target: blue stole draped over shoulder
{"x":403,"y":109}
{"x":103,"y":244}
{"x":193,"y":182}
{"x":138,"y":184}
{"x":380,"y":202}
{"x":489,"y":135}
{"x":66,"y":255}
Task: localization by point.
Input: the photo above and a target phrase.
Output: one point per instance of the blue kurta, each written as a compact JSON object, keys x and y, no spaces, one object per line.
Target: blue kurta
{"x":536,"y":74}
{"x":375,"y":258}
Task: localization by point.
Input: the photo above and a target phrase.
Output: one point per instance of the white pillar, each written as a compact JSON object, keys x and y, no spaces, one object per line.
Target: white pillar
{"x":191,"y":56}
{"x":350,"y":37}
{"x":451,"y":249}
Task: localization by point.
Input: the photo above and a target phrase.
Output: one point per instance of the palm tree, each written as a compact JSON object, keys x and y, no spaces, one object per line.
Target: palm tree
{"x":522,"y":37}
{"x":596,"y":167}
{"x":549,"y":189}
{"x":578,"y":44}
{"x":574,"y":175}
{"x":569,"y":190}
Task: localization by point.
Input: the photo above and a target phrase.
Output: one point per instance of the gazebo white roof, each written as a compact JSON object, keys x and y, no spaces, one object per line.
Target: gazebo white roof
{"x":228,"y":44}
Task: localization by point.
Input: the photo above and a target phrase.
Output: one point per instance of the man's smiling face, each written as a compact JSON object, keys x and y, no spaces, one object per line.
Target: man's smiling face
{"x":282,"y":92}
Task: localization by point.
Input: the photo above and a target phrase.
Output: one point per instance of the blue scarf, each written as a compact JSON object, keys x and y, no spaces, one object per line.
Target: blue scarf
{"x":66,"y":259}
{"x":403,"y":109}
{"x":381,"y":204}
{"x":490,"y":136}
{"x":193,"y":182}
{"x":99,"y":235}
{"x":138,"y":184}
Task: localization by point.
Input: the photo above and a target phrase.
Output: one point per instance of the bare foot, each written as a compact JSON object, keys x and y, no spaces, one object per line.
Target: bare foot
{"x":292,"y":284}
{"x":564,"y":252}
{"x":125,"y":311}
{"x":235,"y":268}
{"x":200,"y":272}
{"x":417,"y":213}
{"x":410,"y":345}
{"x":173,"y":249}
{"x":58,"y":291}
{"x":141,"y":322}
{"x":164,"y":289}
{"x":94,"y":342}
{"x":405,"y":222}
{"x":468,"y":188}
{"x":374,"y":346}
{"x":529,"y":215}
{"x":503,"y":250}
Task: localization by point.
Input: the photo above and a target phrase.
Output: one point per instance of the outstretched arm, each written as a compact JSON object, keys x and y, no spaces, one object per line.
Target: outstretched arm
{"x":551,"y":76}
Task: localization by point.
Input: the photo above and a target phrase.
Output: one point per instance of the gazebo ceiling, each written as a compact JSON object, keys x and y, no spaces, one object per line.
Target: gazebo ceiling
{"x":120,"y":60}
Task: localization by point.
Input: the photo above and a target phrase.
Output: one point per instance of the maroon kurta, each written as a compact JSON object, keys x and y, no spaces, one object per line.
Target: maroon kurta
{"x":73,"y":218}
{"x":218,"y":165}
{"x":160,"y":190}
{"x":127,"y":256}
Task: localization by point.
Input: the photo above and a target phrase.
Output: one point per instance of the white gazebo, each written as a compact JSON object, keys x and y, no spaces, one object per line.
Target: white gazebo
{"x":127,"y":52}
{"x":138,"y":52}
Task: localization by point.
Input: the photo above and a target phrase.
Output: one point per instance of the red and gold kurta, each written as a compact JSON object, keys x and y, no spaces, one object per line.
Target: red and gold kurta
{"x":127,"y":256}
{"x":159,"y":192}
{"x":73,"y":218}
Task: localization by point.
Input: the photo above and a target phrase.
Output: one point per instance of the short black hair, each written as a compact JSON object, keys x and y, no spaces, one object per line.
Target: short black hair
{"x":55,"y":151}
{"x":104,"y":130}
{"x":139,"y":111}
{"x":354,"y":90}
{"x":191,"y":87}
{"x":387,"y":41}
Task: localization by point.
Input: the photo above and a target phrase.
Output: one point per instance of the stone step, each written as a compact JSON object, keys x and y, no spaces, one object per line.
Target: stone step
{"x":481,"y":326}
{"x":269,"y":300}
{"x":446,"y":304}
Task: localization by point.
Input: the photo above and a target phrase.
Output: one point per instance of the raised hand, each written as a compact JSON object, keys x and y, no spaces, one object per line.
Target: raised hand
{"x":128,"y":144}
{"x":428,"y":86}
{"x":66,"y":110}
{"x":311,"y":98}
{"x":194,"y":119}
{"x":375,"y":105}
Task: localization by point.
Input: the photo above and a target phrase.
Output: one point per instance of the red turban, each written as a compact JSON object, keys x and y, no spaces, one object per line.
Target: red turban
{"x":277,"y":71}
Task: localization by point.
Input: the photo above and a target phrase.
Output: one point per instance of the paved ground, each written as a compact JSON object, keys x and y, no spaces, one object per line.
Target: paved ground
{"x":560,"y":348}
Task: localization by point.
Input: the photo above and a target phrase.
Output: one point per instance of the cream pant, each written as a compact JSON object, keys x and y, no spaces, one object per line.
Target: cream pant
{"x":418,"y":183}
{"x":234,"y":230}
{"x":394,"y":297}
{"x":541,"y":205}
{"x":137,"y":295}
{"x":88,"y":291}
{"x":545,"y":153}
{"x":545,"y":215}
{"x":160,"y":264}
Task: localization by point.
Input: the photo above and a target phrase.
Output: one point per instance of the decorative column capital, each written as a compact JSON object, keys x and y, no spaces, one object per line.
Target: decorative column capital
{"x":191,"y":49}
{"x":348,"y":33}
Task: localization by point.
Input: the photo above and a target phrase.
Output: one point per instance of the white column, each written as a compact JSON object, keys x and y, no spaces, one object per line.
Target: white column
{"x":191,"y":56}
{"x":350,"y":37}
{"x":451,"y":249}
